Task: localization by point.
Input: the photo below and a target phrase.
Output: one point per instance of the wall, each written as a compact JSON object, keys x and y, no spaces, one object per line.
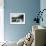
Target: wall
{"x":29,"y":7}
{"x":1,"y":21}
{"x":43,"y":6}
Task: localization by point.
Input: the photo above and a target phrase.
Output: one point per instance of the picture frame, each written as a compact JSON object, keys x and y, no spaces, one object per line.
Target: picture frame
{"x":17,"y":18}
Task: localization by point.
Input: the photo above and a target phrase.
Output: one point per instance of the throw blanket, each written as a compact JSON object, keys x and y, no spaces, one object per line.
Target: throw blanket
{"x":26,"y":41}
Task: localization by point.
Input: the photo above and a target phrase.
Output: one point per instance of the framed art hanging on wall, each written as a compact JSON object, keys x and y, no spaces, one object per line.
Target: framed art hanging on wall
{"x":17,"y":18}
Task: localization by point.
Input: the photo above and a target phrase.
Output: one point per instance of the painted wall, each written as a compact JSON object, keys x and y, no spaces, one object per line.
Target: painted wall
{"x":43,"y":6}
{"x":29,"y":7}
{"x":1,"y":21}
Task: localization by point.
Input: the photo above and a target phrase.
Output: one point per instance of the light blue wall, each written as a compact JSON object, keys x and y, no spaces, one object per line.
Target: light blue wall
{"x":29,"y":7}
{"x":43,"y":6}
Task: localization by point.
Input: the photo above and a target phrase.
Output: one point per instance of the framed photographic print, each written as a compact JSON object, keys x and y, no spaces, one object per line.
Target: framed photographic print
{"x":17,"y":18}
